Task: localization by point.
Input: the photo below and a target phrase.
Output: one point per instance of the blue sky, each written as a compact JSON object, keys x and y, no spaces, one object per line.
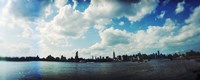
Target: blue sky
{"x":98,"y":27}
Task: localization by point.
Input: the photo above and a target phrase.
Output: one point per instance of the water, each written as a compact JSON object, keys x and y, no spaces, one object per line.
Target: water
{"x":153,"y":70}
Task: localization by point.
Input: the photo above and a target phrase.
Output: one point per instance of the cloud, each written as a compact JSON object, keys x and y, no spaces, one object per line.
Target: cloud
{"x":60,"y":3}
{"x":155,"y":37}
{"x":47,"y":11}
{"x":26,"y":8}
{"x":111,"y":37}
{"x":19,"y":49}
{"x":162,"y":14}
{"x":75,"y":3}
{"x":66,"y":25}
{"x":105,"y":10}
{"x":191,"y":31}
{"x":17,"y":37}
{"x":121,"y":23}
{"x":17,"y":33}
{"x":169,"y":35}
{"x":180,"y":7}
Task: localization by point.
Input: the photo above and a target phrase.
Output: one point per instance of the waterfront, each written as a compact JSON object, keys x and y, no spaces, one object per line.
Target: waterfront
{"x":152,"y":70}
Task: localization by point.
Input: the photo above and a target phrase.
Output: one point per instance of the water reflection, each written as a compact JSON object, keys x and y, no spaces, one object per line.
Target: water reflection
{"x":19,"y":70}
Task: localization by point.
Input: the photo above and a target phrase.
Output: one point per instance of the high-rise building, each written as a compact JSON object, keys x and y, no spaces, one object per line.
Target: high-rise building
{"x":158,"y":54}
{"x":113,"y":54}
{"x":76,"y":57}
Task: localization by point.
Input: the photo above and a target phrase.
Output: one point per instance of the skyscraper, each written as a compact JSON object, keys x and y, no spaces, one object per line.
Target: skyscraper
{"x":76,"y":57}
{"x":113,"y":54}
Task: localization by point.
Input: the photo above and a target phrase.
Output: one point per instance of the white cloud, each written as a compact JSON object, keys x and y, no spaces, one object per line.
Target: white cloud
{"x":111,"y":37}
{"x":60,"y":3}
{"x":127,"y":42}
{"x":121,"y":23}
{"x":17,"y":34}
{"x":27,"y":32}
{"x":162,"y":14}
{"x":75,"y":3}
{"x":105,"y":10}
{"x":169,"y":35}
{"x":191,"y":31}
{"x":16,"y":37}
{"x":153,"y":37}
{"x":67,"y":24}
{"x":25,"y":9}
{"x":180,"y":7}
{"x":48,"y":11}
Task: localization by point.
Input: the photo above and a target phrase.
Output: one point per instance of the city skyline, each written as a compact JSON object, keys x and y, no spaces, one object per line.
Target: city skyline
{"x":98,"y":27}
{"x":139,"y":57}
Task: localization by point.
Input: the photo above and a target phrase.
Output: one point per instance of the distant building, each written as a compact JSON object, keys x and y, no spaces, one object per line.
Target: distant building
{"x":158,"y":52}
{"x":50,"y":58}
{"x":76,"y":57}
{"x":113,"y":54}
{"x":63,"y":58}
{"x":107,"y":57}
{"x":57,"y":58}
{"x":120,"y":57}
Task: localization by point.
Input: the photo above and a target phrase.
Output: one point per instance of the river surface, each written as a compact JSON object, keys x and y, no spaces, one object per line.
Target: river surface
{"x":152,"y":70}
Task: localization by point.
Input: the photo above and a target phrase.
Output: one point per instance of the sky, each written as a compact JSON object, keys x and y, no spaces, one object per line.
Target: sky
{"x":98,"y":27}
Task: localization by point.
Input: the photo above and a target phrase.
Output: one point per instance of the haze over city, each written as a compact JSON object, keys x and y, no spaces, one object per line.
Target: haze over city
{"x":98,"y":27}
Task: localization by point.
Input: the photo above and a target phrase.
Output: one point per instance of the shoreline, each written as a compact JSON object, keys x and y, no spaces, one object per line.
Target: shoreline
{"x":196,"y":60}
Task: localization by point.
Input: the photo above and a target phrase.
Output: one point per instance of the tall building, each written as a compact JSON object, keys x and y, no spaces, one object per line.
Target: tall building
{"x":76,"y":57}
{"x":158,"y":52}
{"x":113,"y":54}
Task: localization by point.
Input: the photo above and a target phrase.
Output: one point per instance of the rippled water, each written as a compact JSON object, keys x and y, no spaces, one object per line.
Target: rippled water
{"x":152,"y":70}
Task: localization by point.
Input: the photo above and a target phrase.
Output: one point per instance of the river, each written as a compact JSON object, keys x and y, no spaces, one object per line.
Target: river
{"x":152,"y":70}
